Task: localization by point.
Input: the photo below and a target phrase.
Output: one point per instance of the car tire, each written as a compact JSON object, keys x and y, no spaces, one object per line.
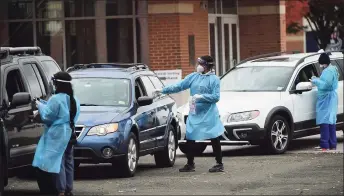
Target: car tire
{"x":278,"y":135}
{"x":167,"y":157}
{"x":198,"y":149}
{"x":126,"y":166}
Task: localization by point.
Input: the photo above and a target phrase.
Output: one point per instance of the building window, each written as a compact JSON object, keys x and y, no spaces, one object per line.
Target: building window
{"x":119,"y":7}
{"x":191,"y":41}
{"x":19,"y":9}
{"x":20,"y":34}
{"x":79,"y":8}
{"x":49,"y":9}
{"x":78,"y":31}
{"x":80,"y":42}
{"x":50,"y":39}
{"x":120,"y":46}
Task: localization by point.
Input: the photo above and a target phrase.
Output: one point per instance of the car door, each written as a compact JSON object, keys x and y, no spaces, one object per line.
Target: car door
{"x":304,"y":103}
{"x":20,"y":129}
{"x":164,"y":106}
{"x":145,"y":119}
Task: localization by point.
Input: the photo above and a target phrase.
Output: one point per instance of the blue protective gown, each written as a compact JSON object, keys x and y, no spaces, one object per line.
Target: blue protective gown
{"x":205,"y":123}
{"x":57,"y":133}
{"x":327,"y":98}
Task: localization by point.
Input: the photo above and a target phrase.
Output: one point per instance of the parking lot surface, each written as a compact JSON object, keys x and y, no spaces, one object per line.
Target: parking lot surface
{"x":248,"y":171}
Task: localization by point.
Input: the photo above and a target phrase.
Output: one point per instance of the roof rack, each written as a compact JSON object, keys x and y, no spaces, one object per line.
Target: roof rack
{"x":265,"y":56}
{"x":35,"y":50}
{"x":315,"y":54}
{"x":127,"y":66}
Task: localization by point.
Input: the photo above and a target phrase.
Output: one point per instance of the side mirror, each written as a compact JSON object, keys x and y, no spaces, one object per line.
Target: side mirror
{"x":303,"y":87}
{"x":145,"y":100}
{"x":20,"y":99}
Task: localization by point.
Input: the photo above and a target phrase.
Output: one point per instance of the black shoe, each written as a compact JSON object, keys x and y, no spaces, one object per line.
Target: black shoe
{"x":216,"y":168}
{"x":69,"y":194}
{"x":187,"y":168}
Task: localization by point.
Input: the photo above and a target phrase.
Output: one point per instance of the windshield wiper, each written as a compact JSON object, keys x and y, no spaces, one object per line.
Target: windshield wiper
{"x":88,"y":104}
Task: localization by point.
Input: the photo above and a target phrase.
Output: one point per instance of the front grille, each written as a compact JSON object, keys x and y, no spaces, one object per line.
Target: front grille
{"x":78,"y":130}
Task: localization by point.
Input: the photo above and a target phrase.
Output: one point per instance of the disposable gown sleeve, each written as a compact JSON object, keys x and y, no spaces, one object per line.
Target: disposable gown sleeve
{"x":48,"y":111}
{"x":324,"y":82}
{"x":180,"y":86}
{"x":214,"y":97}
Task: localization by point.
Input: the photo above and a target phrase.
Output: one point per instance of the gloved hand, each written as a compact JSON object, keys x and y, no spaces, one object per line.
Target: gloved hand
{"x":37,"y":103}
{"x":157,"y":92}
{"x":197,"y":96}
{"x":313,"y":78}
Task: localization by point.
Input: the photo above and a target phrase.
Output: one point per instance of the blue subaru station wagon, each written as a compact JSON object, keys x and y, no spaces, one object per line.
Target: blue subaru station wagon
{"x":121,"y":118}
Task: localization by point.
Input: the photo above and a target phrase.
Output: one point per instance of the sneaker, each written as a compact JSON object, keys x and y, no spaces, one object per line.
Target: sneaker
{"x":69,"y":194}
{"x":187,"y":168}
{"x":333,"y":148}
{"x":216,"y":168}
{"x":322,"y":149}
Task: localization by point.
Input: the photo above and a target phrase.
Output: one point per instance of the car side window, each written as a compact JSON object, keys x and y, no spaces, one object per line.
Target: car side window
{"x":148,"y":86}
{"x":139,"y":90}
{"x":14,"y":84}
{"x":50,"y":67}
{"x":40,"y":76}
{"x":156,"y":82}
{"x":34,"y":84}
{"x":305,"y":74}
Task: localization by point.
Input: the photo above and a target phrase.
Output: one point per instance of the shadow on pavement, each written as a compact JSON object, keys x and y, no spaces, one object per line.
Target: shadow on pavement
{"x":301,"y":144}
{"x":21,"y":192}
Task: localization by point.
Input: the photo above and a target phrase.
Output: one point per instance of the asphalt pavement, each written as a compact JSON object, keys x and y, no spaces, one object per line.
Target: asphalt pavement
{"x":248,"y":171}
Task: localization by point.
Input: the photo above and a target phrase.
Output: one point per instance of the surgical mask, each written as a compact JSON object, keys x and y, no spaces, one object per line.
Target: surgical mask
{"x":200,"y":69}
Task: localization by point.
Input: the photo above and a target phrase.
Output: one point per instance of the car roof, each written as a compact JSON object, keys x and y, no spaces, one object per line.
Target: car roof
{"x":288,"y":60}
{"x":108,"y":73}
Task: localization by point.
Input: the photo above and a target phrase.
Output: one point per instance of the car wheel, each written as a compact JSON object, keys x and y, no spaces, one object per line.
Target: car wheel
{"x":197,"y":149}
{"x":278,"y":135}
{"x":127,"y":165}
{"x":167,"y":157}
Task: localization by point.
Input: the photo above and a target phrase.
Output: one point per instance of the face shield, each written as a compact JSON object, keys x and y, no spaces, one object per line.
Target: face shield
{"x":52,"y":84}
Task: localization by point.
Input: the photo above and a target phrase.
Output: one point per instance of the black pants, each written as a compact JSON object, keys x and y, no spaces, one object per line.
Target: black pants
{"x":216,"y":149}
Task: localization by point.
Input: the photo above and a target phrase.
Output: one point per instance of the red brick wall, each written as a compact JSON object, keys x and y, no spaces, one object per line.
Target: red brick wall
{"x":261,"y":34}
{"x":168,"y":37}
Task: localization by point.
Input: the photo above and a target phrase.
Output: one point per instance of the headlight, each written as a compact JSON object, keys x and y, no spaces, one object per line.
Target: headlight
{"x":243,"y":116}
{"x":103,"y":129}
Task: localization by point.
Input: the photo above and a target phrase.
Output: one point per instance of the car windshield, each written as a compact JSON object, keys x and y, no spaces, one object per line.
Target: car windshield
{"x":102,"y":91}
{"x":257,"y":78}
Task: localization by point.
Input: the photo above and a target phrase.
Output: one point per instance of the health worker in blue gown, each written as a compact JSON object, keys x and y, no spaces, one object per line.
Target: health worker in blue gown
{"x":203,"y":121}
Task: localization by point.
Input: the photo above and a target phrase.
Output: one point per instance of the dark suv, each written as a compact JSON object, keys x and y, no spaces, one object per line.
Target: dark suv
{"x":121,"y":118}
{"x":25,"y":74}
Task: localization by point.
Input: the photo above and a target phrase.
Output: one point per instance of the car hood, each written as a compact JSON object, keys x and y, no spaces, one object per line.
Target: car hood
{"x":95,"y":115}
{"x":233,"y":102}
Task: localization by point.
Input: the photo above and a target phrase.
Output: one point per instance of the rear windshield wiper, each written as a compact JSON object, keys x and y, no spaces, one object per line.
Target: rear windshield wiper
{"x":88,"y":104}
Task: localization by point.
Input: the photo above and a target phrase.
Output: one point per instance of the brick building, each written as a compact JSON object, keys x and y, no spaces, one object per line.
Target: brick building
{"x":166,"y":34}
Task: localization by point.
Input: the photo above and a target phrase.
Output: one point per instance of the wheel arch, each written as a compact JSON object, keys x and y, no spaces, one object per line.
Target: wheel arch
{"x":282,"y":111}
